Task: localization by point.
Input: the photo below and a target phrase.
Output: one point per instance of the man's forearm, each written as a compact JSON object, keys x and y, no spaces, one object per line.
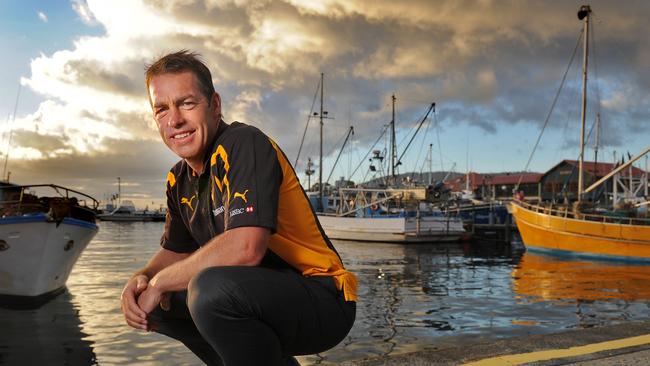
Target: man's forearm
{"x":162,"y":259}
{"x":243,"y":247}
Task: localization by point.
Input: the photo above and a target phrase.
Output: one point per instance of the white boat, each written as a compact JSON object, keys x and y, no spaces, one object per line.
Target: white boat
{"x":388,"y":229}
{"x":127,"y":212}
{"x":41,"y":238}
{"x":390,"y":215}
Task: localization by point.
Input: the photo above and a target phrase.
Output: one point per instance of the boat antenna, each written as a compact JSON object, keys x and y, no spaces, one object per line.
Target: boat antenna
{"x":583,"y":14}
{"x":11,"y":130}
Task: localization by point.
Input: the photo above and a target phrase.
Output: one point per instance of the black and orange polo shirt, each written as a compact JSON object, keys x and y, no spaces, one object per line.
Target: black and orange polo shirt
{"x":248,"y":181}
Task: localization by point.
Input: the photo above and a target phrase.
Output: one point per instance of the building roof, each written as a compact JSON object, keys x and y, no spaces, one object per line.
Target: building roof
{"x":514,"y":178}
{"x":458,"y":184}
{"x":477,"y":180}
{"x":599,"y":170}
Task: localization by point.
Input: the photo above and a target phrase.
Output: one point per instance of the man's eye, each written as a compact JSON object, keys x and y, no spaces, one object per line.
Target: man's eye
{"x":160,"y":112}
{"x":188,"y":105}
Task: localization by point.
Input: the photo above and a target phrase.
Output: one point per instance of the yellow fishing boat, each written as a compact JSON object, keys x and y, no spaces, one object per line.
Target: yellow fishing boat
{"x":586,"y":235}
{"x":573,"y":230}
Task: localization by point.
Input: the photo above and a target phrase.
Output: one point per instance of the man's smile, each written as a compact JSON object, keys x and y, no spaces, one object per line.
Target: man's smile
{"x":182,"y":135}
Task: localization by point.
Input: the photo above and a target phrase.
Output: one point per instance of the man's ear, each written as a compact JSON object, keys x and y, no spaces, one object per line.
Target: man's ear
{"x":215,"y":104}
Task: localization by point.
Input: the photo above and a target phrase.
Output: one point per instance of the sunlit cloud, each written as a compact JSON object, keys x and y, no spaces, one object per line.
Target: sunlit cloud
{"x":489,"y":65}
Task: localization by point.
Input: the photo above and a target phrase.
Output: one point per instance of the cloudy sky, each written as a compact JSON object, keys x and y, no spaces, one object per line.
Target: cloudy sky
{"x":492,"y":68}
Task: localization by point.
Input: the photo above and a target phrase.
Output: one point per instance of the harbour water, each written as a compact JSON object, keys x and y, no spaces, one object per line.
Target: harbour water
{"x":411,"y":297}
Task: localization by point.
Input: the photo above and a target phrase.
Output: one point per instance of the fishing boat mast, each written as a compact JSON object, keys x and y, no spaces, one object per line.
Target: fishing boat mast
{"x":321,"y":116}
{"x":583,"y":14}
{"x":320,"y":162}
{"x":393,"y":144}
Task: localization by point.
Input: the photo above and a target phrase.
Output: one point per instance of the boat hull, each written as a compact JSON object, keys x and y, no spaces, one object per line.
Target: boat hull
{"x":393,"y":229}
{"x":577,"y":237}
{"x":38,"y":254}
{"x":124,"y":218}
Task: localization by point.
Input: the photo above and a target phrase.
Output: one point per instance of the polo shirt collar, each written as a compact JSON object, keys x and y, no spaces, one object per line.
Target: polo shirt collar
{"x":208,"y":151}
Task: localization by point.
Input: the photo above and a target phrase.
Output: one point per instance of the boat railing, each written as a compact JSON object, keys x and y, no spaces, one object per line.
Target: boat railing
{"x":16,"y":200}
{"x":566,"y":212}
{"x":474,"y":207}
{"x":366,"y":204}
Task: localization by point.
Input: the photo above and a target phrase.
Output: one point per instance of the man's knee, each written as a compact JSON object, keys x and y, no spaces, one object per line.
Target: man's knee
{"x":215,"y":291}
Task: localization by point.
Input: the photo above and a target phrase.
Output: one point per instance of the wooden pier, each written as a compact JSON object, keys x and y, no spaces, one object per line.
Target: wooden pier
{"x":492,"y":232}
{"x":497,"y":226}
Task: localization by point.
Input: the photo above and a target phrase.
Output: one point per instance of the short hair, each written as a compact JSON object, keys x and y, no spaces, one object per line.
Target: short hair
{"x":182,"y":61}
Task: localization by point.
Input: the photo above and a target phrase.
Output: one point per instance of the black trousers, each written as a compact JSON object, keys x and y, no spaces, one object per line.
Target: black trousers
{"x":255,"y":316}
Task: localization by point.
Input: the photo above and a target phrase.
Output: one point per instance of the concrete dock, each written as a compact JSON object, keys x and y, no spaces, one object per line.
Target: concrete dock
{"x":621,"y":344}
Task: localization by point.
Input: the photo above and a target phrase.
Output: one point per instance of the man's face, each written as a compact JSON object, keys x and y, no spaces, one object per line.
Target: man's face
{"x":186,"y":120}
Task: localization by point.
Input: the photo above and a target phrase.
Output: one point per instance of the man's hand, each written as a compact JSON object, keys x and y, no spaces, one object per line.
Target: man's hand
{"x":149,"y":299}
{"x":134,"y":315}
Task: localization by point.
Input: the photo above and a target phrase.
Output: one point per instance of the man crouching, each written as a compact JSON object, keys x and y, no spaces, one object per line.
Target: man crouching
{"x":245,"y":274}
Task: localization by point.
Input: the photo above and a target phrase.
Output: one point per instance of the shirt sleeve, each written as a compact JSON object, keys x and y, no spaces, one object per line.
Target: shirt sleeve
{"x":254,"y":177}
{"x":176,"y":237}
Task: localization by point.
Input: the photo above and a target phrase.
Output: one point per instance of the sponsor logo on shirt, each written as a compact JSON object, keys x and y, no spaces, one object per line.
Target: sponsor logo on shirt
{"x":239,"y":211}
{"x":188,"y":202}
{"x":218,"y":211}
{"x":241,"y":195}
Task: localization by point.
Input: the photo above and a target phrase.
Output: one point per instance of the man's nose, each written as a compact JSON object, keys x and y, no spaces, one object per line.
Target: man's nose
{"x":175,"y":117}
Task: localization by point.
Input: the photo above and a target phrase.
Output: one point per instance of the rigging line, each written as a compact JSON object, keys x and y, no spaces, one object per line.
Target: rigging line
{"x":347,"y":136}
{"x":424,"y":139}
{"x":550,"y":112}
{"x":369,"y":151}
{"x":365,"y":176}
{"x":574,"y":94}
{"x":415,"y":125}
{"x":567,"y":179}
{"x":332,"y":148}
{"x":595,"y":62}
{"x":354,"y":150}
{"x":431,"y":107}
{"x":295,"y":164}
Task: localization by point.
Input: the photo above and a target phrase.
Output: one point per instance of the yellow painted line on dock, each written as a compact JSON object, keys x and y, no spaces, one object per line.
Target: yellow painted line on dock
{"x":522,"y":358}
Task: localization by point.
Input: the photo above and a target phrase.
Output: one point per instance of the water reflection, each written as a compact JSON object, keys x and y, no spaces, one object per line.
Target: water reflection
{"x":545,"y":278}
{"x":118,"y":250}
{"x":410,"y":297}
{"x":49,"y":335}
{"x":596,"y":293}
{"x":427,"y":295}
